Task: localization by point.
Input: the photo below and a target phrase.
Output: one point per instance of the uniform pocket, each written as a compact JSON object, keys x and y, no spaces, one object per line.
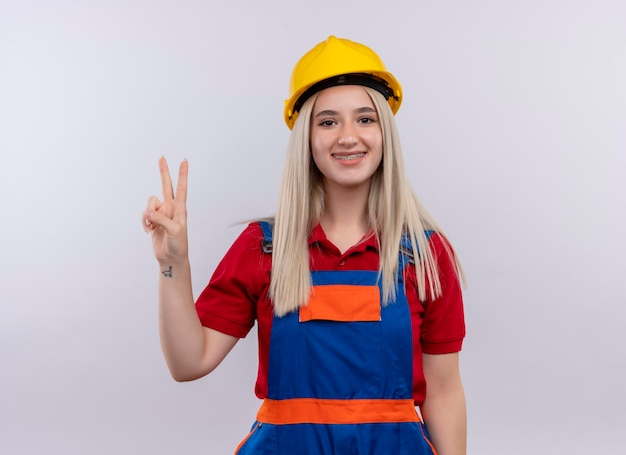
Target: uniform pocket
{"x":238,"y":450}
{"x":413,"y":439}
{"x":427,"y":438}
{"x":260,"y":441}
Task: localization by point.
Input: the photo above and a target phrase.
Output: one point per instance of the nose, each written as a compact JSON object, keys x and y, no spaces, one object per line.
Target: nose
{"x":347,"y":138}
{"x":347,"y":141}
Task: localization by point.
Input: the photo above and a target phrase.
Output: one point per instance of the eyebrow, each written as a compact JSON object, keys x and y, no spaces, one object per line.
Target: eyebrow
{"x":360,"y":110}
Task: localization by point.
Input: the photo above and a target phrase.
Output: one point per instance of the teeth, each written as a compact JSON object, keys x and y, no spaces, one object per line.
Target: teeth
{"x":349,"y":157}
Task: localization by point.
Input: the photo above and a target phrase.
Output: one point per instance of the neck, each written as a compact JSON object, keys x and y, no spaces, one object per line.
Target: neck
{"x":345,"y":219}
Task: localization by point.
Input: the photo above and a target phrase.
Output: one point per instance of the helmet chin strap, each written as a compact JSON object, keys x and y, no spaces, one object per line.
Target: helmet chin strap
{"x":364,"y":79}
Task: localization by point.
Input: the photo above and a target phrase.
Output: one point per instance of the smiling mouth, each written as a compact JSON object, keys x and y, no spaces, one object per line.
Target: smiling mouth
{"x":348,"y":157}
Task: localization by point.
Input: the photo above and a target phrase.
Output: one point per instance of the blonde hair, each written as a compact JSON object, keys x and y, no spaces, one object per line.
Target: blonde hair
{"x":393,"y":209}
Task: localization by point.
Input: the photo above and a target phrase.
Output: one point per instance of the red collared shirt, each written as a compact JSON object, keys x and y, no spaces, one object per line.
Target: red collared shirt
{"x":237,"y":295}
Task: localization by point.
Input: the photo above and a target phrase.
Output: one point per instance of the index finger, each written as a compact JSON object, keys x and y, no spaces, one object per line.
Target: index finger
{"x":166,"y":180}
{"x":181,"y":187}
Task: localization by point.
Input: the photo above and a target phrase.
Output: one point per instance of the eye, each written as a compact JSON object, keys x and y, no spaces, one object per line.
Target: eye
{"x":327,"y":122}
{"x":367,"y":120}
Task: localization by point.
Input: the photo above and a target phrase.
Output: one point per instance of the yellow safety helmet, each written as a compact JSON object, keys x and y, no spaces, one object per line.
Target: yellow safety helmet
{"x":338,"y":61}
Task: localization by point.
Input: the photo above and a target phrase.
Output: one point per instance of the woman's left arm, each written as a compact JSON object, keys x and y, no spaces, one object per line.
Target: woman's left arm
{"x":443,"y":409}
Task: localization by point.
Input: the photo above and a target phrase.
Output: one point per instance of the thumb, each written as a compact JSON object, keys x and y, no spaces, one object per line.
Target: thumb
{"x":159,"y":220}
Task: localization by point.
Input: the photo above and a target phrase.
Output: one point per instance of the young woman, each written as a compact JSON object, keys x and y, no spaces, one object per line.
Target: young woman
{"x":354,"y":287}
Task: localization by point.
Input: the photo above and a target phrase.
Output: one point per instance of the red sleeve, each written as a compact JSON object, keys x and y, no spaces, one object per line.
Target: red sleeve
{"x":229,"y":302}
{"x":443,"y":326}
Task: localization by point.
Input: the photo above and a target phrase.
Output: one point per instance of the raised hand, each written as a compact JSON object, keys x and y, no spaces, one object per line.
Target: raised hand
{"x":166,"y":220}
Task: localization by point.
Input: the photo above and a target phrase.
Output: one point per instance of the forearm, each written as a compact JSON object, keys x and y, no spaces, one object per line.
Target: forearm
{"x":190,"y":350}
{"x":445,"y":416}
{"x":182,"y":335}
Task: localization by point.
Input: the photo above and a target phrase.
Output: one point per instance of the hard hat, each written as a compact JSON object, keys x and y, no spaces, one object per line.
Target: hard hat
{"x":338,"y":61}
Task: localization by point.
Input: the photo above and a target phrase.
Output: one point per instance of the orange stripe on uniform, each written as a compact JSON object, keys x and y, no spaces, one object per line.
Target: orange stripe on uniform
{"x":342,"y":302}
{"x":324,"y":411}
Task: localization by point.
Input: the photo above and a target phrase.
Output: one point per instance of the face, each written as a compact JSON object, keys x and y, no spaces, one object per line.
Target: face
{"x":346,"y":139}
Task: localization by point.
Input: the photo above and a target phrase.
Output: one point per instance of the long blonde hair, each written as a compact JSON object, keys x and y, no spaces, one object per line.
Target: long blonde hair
{"x":393,"y":209}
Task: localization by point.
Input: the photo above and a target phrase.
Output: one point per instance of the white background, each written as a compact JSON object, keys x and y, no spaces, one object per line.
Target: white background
{"x":513,"y":127}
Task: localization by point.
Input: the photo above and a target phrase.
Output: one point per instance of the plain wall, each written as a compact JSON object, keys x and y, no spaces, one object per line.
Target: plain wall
{"x":513,"y":128}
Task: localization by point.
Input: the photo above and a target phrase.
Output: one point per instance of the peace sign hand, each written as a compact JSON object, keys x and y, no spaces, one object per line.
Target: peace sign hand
{"x":167,"y":220}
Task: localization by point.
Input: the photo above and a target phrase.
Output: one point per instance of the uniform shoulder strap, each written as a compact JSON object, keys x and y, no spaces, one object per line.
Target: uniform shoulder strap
{"x":266,"y":243}
{"x":407,"y":254}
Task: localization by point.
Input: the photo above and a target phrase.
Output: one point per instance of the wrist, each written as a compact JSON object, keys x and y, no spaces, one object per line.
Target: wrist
{"x":168,"y":269}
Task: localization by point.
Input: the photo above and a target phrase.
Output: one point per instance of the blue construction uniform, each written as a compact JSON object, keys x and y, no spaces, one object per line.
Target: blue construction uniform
{"x":340,"y":385}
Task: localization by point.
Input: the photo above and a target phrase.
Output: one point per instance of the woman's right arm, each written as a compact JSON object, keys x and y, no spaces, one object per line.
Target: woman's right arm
{"x":190,"y":350}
